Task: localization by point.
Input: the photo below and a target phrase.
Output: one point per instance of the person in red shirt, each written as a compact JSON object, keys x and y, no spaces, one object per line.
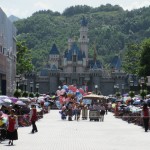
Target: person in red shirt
{"x":145,"y":115}
{"x":33,"y":118}
{"x":12,"y":126}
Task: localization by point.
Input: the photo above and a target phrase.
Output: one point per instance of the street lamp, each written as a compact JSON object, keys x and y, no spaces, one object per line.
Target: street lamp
{"x":25,"y":84}
{"x":17,"y":80}
{"x":31,"y":85}
{"x":96,"y":87}
{"x":148,"y":82}
{"x":37,"y":87}
{"x":122,"y":87}
{"x":131,"y":85}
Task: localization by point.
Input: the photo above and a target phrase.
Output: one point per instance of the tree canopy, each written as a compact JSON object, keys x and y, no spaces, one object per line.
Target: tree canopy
{"x":24,"y":63}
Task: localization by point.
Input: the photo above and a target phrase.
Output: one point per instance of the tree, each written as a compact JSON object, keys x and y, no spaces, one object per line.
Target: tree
{"x":24,"y":63}
{"x":131,"y":59}
{"x":144,"y":69}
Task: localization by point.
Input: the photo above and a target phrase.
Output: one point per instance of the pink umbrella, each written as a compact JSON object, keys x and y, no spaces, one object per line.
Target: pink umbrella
{"x":14,"y":99}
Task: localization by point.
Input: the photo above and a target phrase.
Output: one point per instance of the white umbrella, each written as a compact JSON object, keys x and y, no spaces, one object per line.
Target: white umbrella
{"x":24,"y":99}
{"x":7,"y":100}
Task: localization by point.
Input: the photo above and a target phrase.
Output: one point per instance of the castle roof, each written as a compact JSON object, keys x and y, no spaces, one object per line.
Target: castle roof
{"x":83,"y":22}
{"x":95,"y":64}
{"x":116,"y":63}
{"x":74,"y":50}
{"x":54,"y":50}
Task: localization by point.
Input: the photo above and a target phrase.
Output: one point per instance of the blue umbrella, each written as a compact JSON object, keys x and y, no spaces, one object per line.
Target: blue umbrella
{"x":46,"y":104}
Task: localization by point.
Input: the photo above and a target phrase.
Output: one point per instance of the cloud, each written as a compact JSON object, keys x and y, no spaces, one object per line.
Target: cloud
{"x":41,"y":5}
{"x":135,"y":4}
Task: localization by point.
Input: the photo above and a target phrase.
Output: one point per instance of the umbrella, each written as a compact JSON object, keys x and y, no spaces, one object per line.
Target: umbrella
{"x":24,"y":99}
{"x":137,"y":102}
{"x":46,"y":104}
{"x":93,"y":96}
{"x":7,"y":100}
{"x":4,"y":119}
{"x":1,"y":101}
{"x":14,"y":99}
{"x":20,"y":103}
{"x":123,"y":105}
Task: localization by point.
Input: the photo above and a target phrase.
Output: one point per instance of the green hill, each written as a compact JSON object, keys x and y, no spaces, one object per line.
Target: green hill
{"x":111,"y":29}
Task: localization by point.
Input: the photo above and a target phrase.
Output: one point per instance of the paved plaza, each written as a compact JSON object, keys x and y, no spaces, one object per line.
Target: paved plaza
{"x":55,"y":134}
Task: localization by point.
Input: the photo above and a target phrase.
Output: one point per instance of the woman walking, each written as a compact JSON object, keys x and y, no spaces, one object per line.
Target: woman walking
{"x":12,"y":126}
{"x":33,"y":118}
{"x":145,"y":115}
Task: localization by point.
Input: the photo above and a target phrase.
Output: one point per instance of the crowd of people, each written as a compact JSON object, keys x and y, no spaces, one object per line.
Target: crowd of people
{"x":72,"y":106}
{"x":137,"y":113}
{"x":14,"y":116}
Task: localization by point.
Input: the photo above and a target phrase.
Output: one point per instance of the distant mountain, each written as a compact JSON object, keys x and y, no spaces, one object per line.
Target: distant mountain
{"x":111,"y":30}
{"x":13,"y":18}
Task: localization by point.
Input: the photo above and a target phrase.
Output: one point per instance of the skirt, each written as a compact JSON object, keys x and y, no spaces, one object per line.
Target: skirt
{"x":12,"y":135}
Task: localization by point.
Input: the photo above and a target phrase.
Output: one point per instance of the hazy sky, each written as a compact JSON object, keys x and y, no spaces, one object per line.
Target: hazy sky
{"x":25,"y":8}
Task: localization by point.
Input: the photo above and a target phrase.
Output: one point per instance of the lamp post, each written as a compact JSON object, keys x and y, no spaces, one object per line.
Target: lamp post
{"x":131,"y":85}
{"x":122,"y":88}
{"x":96,"y":87}
{"x":25,"y":84}
{"x":31,"y":86}
{"x":17,"y":80}
{"x":148,"y":82}
{"x":37,"y":87}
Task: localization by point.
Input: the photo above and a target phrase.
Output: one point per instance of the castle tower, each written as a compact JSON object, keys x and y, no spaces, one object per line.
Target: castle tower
{"x":83,"y":40}
{"x":54,"y":58}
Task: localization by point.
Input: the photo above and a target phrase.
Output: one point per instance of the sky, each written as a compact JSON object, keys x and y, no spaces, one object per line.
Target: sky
{"x":25,"y":8}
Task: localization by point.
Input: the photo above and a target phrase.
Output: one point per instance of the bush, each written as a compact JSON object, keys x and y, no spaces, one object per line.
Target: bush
{"x":17,"y":93}
{"x":131,"y":94}
{"x":31,"y":95}
{"x":118,"y":94}
{"x":37,"y":94}
{"x":143,"y":93}
{"x":25,"y":94}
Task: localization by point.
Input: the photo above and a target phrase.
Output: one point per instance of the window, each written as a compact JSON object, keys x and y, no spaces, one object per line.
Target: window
{"x":74,"y":58}
{"x":74,"y":69}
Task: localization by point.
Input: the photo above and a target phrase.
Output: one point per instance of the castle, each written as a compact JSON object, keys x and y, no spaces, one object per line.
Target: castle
{"x":75,"y":67}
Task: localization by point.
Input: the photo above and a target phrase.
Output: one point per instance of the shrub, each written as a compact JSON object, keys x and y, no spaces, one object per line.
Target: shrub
{"x":17,"y":93}
{"x":25,"y":94}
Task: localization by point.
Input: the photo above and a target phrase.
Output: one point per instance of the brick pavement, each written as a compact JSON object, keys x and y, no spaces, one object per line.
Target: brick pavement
{"x":55,"y":134}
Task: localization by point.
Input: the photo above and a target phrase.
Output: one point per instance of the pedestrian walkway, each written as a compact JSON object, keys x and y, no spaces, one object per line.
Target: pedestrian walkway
{"x":55,"y":134}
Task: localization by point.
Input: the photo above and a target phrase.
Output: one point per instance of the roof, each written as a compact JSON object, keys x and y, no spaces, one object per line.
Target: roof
{"x":74,"y":50}
{"x":116,"y":63}
{"x":95,"y":64}
{"x":54,"y":50}
{"x":83,"y":22}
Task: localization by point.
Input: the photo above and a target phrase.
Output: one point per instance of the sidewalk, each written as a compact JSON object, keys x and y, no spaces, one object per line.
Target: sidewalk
{"x":55,"y":134}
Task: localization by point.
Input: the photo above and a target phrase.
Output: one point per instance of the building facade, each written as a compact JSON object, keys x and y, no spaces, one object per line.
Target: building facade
{"x":7,"y":55}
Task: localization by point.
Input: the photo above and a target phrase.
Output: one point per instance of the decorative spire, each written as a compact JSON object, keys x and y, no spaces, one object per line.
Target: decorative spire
{"x":95,"y":56}
{"x":84,"y":22}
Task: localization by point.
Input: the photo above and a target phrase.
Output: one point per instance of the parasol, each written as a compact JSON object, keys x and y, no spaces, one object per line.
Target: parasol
{"x":7,"y":100}
{"x":24,"y":99}
{"x":20,"y":103}
{"x":14,"y":99}
{"x":93,"y":96}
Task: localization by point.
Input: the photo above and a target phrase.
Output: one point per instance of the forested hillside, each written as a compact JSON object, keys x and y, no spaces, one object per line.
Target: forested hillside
{"x":111,"y":29}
